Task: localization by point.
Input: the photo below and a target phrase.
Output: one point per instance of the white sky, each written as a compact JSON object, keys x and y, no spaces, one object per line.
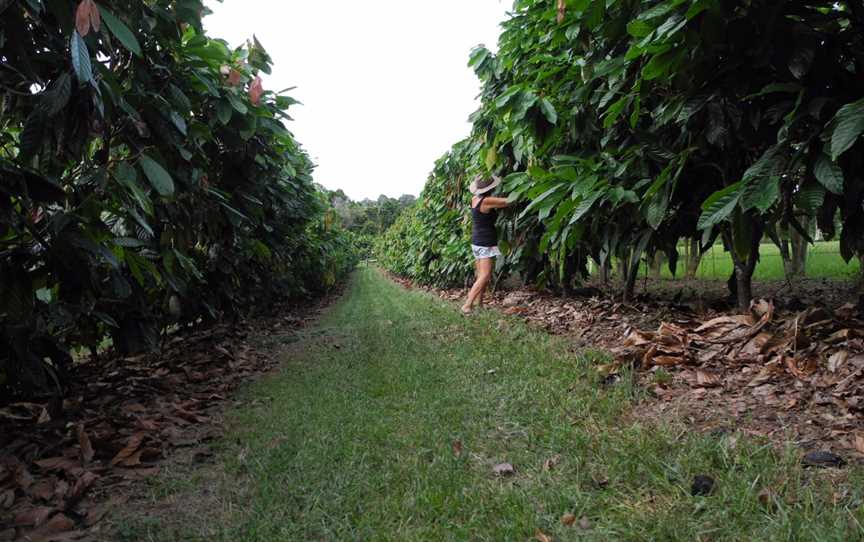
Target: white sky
{"x":384,"y":83}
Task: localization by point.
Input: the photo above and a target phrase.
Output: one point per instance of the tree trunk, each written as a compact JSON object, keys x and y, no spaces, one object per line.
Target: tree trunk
{"x":693,"y":258}
{"x":744,"y":276}
{"x":624,"y":266}
{"x":744,"y":267}
{"x":603,"y":271}
{"x":799,"y":249}
{"x":788,"y":262}
{"x":656,"y":265}
{"x":861,"y":273}
{"x":630,"y":281}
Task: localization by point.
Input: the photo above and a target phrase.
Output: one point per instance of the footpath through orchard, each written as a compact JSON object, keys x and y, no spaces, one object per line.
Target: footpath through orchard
{"x":398,"y":419}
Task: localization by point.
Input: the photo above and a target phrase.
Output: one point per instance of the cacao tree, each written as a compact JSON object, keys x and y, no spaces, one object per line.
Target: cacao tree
{"x":147,"y":181}
{"x":628,"y":127}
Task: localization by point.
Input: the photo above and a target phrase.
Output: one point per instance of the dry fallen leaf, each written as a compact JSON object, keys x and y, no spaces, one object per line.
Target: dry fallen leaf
{"x":568,"y":520}
{"x":457,"y":448}
{"x":859,"y":443}
{"x":33,"y":517}
{"x":7,"y":498}
{"x":552,"y":462}
{"x":707,"y":378}
{"x":837,"y":360}
{"x":766,"y":498}
{"x":126,"y":455}
{"x":86,"y":446}
{"x":540,"y":536}
{"x":57,"y":524}
{"x":504,"y":469}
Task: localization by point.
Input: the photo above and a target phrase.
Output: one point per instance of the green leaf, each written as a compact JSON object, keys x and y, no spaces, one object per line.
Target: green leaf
{"x":829,"y":174}
{"x":761,"y":194}
{"x":179,"y":122}
{"x":594,"y":14}
{"x":158,"y":177}
{"x":224,"y":111}
{"x":81,"y":59}
{"x":639,"y":29}
{"x":615,"y":111}
{"x":549,"y":111}
{"x":58,"y":97}
{"x":126,"y":175}
{"x":16,"y":294}
{"x":772,"y":88}
{"x":120,"y":31}
{"x":848,"y":126}
{"x":237,"y":104}
{"x":742,"y":235}
{"x":32,"y":134}
{"x":810,"y":197}
{"x":660,"y":9}
{"x":720,"y":205}
{"x":655,"y":212}
{"x":585,"y":206}
{"x":661,"y":64}
{"x":696,"y":8}
{"x":478,"y":55}
{"x":801,"y":62}
{"x":491,"y":158}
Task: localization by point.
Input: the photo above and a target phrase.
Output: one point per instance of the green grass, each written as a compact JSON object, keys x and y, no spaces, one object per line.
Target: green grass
{"x":823,"y":261}
{"x":353,"y":440}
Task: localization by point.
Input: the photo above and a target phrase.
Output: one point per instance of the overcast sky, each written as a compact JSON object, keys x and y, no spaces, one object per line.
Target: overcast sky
{"x":384,"y":83}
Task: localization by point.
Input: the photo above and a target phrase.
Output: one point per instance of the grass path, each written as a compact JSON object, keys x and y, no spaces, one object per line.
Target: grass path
{"x":354,"y":440}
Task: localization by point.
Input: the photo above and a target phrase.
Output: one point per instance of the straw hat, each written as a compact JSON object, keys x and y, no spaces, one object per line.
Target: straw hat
{"x":481,"y":184}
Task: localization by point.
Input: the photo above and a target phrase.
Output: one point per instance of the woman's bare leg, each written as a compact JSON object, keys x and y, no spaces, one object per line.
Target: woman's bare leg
{"x":484,"y":275}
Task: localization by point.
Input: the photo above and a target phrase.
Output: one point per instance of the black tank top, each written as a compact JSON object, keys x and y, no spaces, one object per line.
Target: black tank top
{"x":483,"y":232}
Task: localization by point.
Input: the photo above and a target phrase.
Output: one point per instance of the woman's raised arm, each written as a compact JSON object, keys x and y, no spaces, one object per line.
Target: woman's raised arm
{"x":493,"y":203}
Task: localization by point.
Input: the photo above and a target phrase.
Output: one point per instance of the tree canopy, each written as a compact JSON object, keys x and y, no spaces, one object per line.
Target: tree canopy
{"x":625,"y":127}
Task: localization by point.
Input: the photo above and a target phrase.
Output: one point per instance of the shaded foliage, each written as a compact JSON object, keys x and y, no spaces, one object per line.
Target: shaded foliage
{"x":148,"y":180}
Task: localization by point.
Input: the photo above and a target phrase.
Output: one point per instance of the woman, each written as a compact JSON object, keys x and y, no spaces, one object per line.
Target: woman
{"x":484,"y":236}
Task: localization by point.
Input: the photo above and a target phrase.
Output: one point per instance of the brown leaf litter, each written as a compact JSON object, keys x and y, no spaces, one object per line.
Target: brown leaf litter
{"x":791,"y":373}
{"x":59,"y":476}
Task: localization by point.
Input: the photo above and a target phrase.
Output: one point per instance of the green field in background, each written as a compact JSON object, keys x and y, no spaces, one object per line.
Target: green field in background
{"x":823,"y":261}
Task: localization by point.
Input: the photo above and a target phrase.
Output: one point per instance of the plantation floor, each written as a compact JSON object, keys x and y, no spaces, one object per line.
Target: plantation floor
{"x":392,"y":421}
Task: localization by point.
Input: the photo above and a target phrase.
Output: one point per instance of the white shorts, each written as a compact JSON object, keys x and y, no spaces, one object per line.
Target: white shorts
{"x":482,"y":253}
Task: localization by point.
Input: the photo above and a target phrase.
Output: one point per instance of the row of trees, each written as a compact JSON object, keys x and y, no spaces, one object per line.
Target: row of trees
{"x":147,"y":181}
{"x":631,"y":128}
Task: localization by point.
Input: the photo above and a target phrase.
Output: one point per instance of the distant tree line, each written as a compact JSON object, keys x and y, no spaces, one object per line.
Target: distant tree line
{"x":369,"y":217}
